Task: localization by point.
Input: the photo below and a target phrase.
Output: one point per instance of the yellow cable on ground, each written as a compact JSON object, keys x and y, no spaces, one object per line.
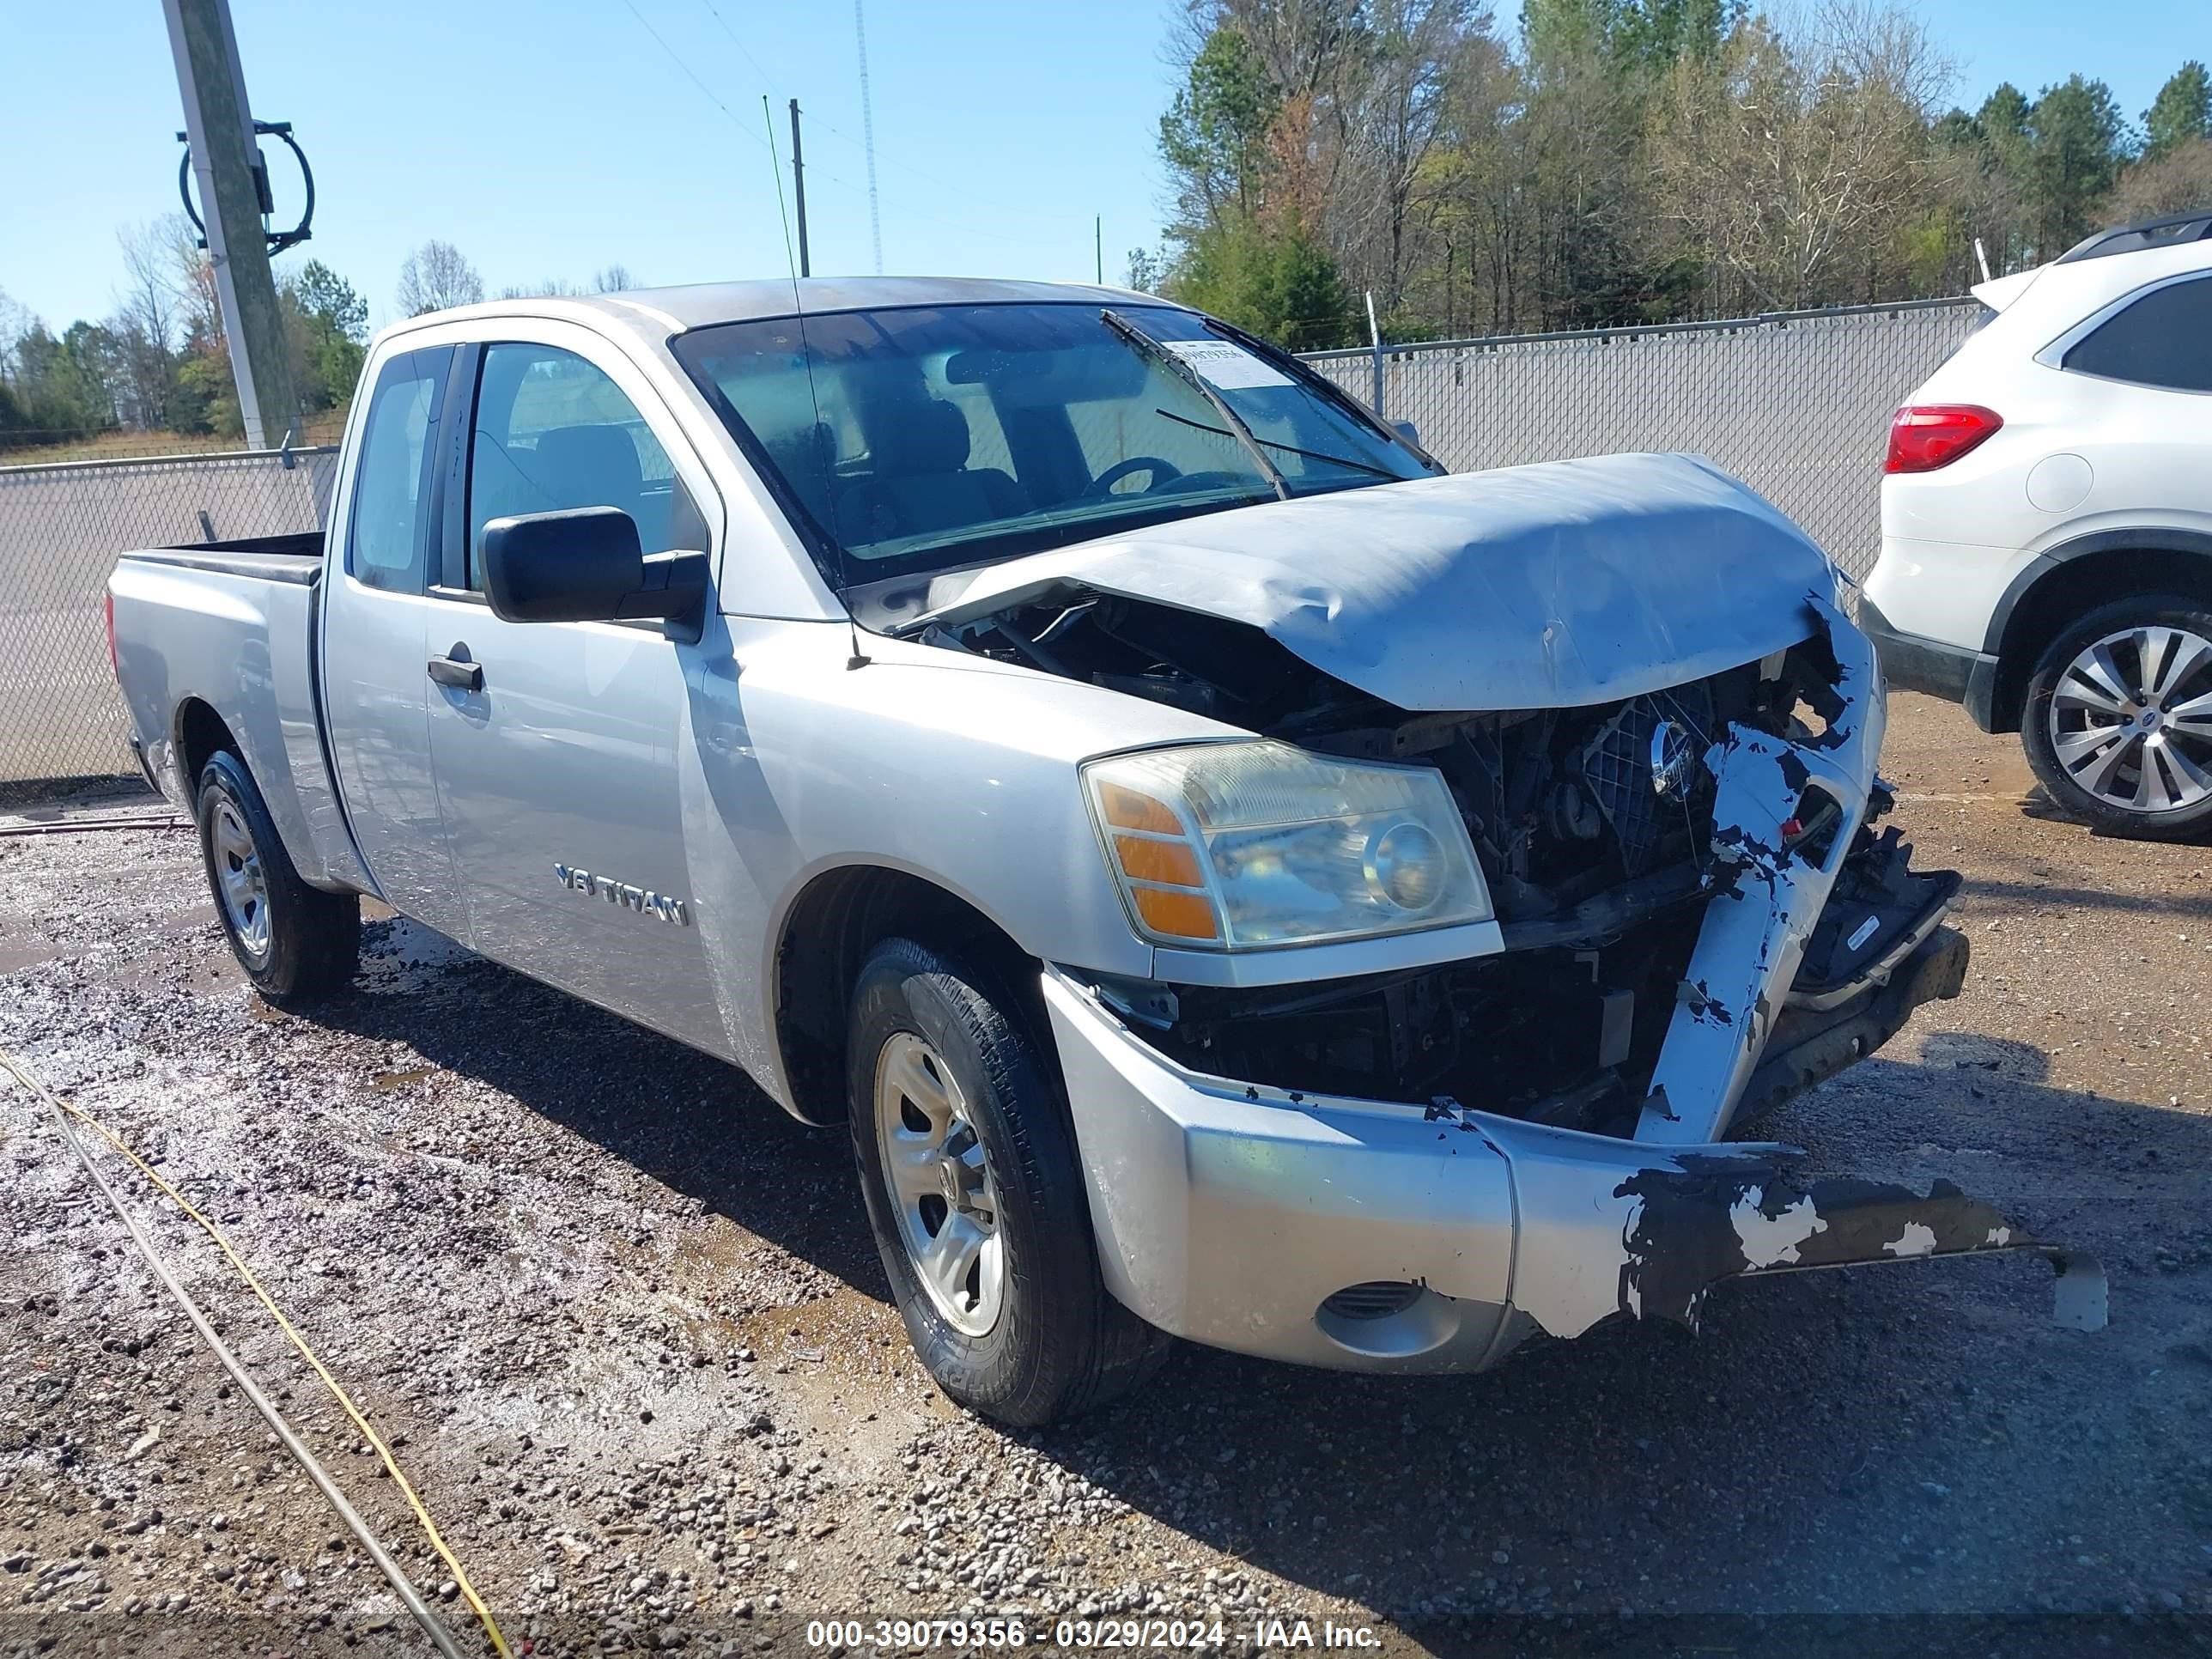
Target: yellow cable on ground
{"x":391,"y":1467}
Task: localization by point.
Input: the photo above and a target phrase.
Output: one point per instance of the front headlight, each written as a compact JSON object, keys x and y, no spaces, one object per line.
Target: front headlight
{"x":1231,"y":846}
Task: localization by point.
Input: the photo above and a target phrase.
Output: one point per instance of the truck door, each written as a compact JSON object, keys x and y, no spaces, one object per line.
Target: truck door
{"x":560,"y":748}
{"x":375,"y":694}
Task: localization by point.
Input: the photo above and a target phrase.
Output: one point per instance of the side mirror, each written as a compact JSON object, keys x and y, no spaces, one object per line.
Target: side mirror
{"x":583,"y":565}
{"x":1406,"y":430}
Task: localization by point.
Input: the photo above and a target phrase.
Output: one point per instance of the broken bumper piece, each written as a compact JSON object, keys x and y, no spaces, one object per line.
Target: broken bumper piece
{"x":1371,"y":1235}
{"x":1711,"y":1217}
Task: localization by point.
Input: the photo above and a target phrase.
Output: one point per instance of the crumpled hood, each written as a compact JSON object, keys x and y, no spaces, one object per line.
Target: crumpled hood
{"x":1552,"y":586}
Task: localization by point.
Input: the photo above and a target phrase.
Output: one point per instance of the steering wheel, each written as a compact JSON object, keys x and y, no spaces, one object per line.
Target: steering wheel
{"x":1162,"y":472}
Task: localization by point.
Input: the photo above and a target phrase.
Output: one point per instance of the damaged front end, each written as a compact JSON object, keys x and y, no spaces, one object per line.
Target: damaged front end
{"x":1695,"y":915}
{"x":1699,"y":916}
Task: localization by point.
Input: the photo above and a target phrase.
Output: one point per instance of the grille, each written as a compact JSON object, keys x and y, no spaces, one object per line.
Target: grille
{"x":1617,"y":766}
{"x":1377,"y":1299}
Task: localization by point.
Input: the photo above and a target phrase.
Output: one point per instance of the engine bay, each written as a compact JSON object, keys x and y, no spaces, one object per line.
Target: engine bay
{"x":1594,"y":828}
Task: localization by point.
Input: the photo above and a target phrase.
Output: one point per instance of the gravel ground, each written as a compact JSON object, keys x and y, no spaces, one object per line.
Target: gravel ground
{"x":623,"y":1321}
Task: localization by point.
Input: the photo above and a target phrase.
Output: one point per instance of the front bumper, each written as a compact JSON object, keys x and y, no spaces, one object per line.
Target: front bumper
{"x":1375,"y":1236}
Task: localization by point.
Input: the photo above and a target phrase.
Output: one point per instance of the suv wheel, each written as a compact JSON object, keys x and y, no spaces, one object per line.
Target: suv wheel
{"x":294,"y":941}
{"x":2118,"y":720}
{"x":977,"y":1196}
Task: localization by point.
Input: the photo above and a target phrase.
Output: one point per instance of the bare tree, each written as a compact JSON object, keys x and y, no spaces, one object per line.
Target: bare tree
{"x":191,"y":273}
{"x":147,"y":299}
{"x":1412,"y":51}
{"x":162,"y":309}
{"x":2178,"y":181}
{"x":553,"y":288}
{"x":612,"y":279}
{"x":1795,"y":159}
{"x":436,"y":276}
{"x":15,"y":321}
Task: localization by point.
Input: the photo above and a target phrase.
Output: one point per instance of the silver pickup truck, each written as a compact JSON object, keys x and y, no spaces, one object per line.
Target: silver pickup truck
{"x":1234,"y":881}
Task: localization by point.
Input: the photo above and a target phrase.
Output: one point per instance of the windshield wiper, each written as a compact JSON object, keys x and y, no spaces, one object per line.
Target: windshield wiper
{"x":1175,"y":365}
{"x":1372,"y":471}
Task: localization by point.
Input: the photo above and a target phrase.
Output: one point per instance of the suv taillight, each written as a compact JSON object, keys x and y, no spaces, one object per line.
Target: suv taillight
{"x":114,"y":662}
{"x":1925,"y":436}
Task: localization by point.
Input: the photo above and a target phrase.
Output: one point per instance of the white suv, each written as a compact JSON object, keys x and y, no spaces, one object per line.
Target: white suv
{"x":2046,"y":528}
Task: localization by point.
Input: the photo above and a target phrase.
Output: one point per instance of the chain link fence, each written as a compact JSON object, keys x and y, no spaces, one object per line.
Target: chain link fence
{"x":61,"y":526}
{"x":1796,"y":403}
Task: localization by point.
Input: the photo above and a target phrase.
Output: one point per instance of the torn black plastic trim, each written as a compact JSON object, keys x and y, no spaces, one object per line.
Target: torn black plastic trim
{"x":1809,"y":1045}
{"x":1702,"y":1221}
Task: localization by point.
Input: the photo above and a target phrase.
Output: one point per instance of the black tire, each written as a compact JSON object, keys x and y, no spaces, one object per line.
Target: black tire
{"x":1061,"y":1345}
{"x":313,"y":938}
{"x":2184,"y":824}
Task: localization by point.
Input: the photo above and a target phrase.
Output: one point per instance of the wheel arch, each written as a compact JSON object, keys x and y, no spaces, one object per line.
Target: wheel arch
{"x":823,"y":938}
{"x":199,"y":731}
{"x":2073,"y":579}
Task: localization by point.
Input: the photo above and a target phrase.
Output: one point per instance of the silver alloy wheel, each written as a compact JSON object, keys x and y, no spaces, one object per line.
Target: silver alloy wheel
{"x":2131,"y":719}
{"x":939,"y":1183}
{"x":238,"y":879}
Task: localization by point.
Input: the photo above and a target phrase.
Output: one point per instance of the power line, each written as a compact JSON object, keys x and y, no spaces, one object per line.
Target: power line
{"x":726,"y":111}
{"x":865,"y":145}
{"x":907,"y":167}
{"x":814,"y":171}
{"x":767,"y":79}
{"x":958,"y":193}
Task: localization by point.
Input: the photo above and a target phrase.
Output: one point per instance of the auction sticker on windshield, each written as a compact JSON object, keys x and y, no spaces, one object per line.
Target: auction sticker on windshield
{"x":1225,"y":364}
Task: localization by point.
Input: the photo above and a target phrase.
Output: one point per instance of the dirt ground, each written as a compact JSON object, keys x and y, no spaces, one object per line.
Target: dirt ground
{"x":624,"y":1323}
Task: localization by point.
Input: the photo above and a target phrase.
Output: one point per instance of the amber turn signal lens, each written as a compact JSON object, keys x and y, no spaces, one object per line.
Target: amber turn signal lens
{"x":1127,"y":809}
{"x":1171,"y":861}
{"x":1181,"y":915}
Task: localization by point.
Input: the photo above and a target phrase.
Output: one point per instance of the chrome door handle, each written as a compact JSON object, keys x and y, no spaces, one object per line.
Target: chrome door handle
{"x":457,"y":669}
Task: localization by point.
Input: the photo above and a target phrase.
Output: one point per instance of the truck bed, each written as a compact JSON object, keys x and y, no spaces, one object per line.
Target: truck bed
{"x":227,"y":631}
{"x":295,"y":558}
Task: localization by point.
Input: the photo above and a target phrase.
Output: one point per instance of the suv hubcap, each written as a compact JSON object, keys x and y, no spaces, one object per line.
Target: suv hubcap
{"x":238,"y":879}
{"x":2131,"y":719}
{"x":939,"y":1183}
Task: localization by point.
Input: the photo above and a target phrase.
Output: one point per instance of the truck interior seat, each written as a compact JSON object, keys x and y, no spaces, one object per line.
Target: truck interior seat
{"x":922,"y":482}
{"x":591,"y":466}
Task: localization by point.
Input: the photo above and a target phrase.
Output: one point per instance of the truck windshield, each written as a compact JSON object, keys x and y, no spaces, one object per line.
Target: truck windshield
{"x":925,"y":438}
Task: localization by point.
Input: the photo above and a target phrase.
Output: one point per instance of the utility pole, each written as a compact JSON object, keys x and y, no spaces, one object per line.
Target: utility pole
{"x":799,"y":189}
{"x":1098,"y":247}
{"x":233,"y":189}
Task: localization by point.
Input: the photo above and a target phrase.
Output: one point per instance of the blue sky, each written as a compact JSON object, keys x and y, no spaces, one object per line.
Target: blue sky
{"x":547,"y":139}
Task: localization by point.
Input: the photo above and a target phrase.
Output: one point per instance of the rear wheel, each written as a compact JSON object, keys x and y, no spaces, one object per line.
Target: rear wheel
{"x":294,"y":941}
{"x":2118,"y":720}
{"x":967,"y":1162}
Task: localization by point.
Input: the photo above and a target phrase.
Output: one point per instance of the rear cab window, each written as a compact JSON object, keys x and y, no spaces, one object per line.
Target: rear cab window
{"x":390,"y":527}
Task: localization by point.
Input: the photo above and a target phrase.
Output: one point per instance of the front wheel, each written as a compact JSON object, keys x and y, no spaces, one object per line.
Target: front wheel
{"x":969,"y":1166}
{"x":2119,"y":720}
{"x":294,"y":941}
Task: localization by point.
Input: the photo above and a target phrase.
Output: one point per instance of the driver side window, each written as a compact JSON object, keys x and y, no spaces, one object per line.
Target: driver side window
{"x":552,"y":431}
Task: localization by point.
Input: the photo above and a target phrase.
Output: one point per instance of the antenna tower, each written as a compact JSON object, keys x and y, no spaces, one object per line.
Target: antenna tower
{"x":868,"y":133}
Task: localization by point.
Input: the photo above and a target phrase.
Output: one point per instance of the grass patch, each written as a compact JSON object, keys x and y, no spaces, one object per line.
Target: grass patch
{"x":324,"y":428}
